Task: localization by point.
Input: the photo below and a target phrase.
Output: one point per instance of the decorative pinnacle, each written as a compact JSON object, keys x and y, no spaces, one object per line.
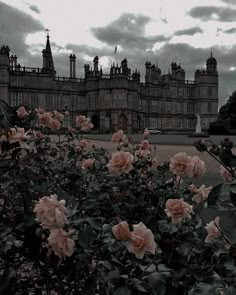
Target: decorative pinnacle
{"x":47,"y":30}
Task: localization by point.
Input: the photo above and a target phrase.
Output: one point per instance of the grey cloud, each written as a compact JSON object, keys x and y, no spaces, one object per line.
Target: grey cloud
{"x":14,"y":27}
{"x":129,"y":31}
{"x":190,"y":31}
{"x":206,"y":13}
{"x":229,"y":2}
{"x":230,"y":31}
{"x":34,"y":8}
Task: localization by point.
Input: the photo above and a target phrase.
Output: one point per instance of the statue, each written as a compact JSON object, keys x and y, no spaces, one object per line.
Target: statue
{"x":198,"y":126}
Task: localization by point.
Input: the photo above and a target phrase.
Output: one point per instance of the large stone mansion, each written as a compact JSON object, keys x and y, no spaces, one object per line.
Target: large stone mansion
{"x":117,"y":100}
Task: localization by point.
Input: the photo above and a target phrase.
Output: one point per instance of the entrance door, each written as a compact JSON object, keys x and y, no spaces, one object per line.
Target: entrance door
{"x":122,"y":122}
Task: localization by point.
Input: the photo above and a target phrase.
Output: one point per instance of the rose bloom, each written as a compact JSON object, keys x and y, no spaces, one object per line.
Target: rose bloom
{"x":193,"y":189}
{"x":155,"y":162}
{"x":17,"y":135}
{"x":67,"y":113}
{"x":118,"y":136}
{"x":121,"y":231}
{"x":146,"y":133}
{"x":83,"y":144}
{"x":58,"y":116}
{"x":144,"y":153}
{"x":86,"y":125}
{"x":142,"y":240}
{"x":201,"y":194}
{"x":199,"y":167}
{"x":51,"y":212}
{"x":21,"y":112}
{"x":60,"y":242}
{"x":40,"y":111}
{"x":145,"y":145}
{"x":38,"y":135}
{"x":80,"y":119}
{"x":182,"y":165}
{"x":226,"y":175}
{"x":87,"y":164}
{"x":55,"y":124}
{"x":45,"y":119}
{"x":178,"y":210}
{"x":212,"y":230}
{"x":120,"y":162}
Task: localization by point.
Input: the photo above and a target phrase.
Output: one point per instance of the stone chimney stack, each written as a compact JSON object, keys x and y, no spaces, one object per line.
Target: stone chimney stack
{"x":72,"y":58}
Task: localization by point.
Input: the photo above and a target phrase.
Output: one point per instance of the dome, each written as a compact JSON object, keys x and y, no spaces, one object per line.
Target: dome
{"x":211,"y":60}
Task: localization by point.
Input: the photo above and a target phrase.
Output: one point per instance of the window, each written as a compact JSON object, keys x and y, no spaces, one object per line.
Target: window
{"x":16,"y":98}
{"x":209,"y":107}
{"x":49,"y":102}
{"x":209,"y":91}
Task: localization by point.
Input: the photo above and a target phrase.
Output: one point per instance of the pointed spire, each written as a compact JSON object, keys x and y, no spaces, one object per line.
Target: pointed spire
{"x":48,"y":64}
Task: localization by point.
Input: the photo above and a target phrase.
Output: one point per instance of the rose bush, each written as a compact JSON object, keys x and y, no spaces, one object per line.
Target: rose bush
{"x":77,"y":220}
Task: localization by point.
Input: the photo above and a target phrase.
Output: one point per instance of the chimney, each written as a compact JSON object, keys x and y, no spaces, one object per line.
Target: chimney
{"x":72,"y":58}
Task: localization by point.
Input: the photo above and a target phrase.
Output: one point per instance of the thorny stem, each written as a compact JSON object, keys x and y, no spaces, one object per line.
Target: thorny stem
{"x":224,"y":237}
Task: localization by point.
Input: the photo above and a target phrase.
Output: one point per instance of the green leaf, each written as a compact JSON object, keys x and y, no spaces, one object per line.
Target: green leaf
{"x":122,"y":291}
{"x":158,"y":283}
{"x":94,"y":223}
{"x":214,"y":194}
{"x":86,"y":237}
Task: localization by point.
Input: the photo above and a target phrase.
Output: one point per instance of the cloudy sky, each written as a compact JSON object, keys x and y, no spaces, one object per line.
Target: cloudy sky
{"x":144,"y":30}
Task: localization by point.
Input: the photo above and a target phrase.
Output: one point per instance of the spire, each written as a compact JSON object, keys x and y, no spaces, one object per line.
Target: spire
{"x":48,"y":65}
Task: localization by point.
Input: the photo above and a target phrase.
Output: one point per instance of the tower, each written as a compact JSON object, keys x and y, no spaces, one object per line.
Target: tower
{"x":211,"y":65}
{"x":48,"y":65}
{"x":4,"y":73}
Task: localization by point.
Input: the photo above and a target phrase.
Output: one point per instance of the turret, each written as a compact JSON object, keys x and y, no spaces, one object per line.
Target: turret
{"x":4,"y":72}
{"x":48,"y":65}
{"x":211,"y":65}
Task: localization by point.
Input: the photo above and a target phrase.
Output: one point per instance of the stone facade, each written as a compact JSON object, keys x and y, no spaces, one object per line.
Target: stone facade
{"x":117,"y":100}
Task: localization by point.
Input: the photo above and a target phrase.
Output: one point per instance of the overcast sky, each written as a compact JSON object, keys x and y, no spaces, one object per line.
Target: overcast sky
{"x":162,"y":32}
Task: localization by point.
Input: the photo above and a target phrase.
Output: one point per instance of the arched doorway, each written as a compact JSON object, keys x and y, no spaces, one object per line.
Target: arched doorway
{"x":122,"y":122}
{"x":96,"y":121}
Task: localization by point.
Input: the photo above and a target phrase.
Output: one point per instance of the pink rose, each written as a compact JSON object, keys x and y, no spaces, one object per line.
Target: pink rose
{"x":17,"y":135}
{"x":80,"y":119}
{"x":121,"y":231}
{"x":146,"y":133}
{"x":201,"y":194}
{"x":182,"y":165}
{"x":38,"y":135}
{"x":145,"y":145}
{"x":40,"y":111}
{"x":212,"y":230}
{"x":60,"y":242}
{"x":21,"y":112}
{"x":178,"y":210}
{"x":199,"y":167}
{"x":83,"y":144}
{"x":226,"y":175}
{"x":193,"y":189}
{"x":87,"y":164}
{"x":58,"y":116}
{"x":155,"y":162}
{"x":86,"y":126}
{"x":55,"y":124}
{"x":67,"y":113}
{"x":118,"y":136}
{"x":144,"y":153}
{"x":45,"y":119}
{"x":120,"y":162}
{"x":51,"y":212}
{"x":142,"y":240}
